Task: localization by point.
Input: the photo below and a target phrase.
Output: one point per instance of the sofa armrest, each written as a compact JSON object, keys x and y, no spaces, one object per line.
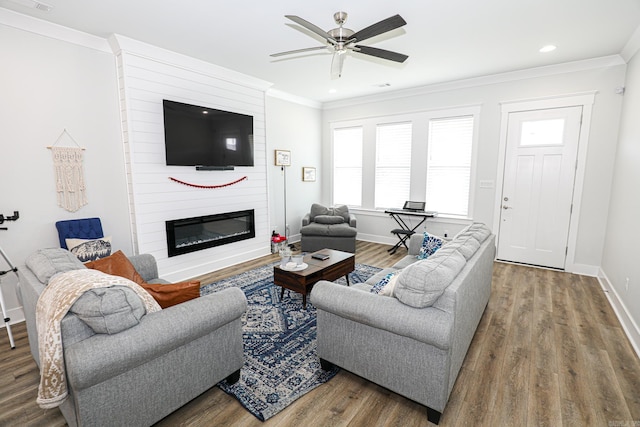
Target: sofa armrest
{"x":145,"y":265}
{"x":306,"y":219}
{"x":103,"y":356}
{"x":428,"y":325}
{"x":352,"y":220}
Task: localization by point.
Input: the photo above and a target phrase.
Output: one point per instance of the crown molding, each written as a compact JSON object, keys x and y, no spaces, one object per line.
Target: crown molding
{"x":51,"y":30}
{"x":285,"y":96}
{"x":549,"y":70}
{"x":632,"y":46}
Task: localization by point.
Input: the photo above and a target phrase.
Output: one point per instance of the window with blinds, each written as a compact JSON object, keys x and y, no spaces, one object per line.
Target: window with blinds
{"x":393,"y":164}
{"x":449,"y":165}
{"x":347,"y":166}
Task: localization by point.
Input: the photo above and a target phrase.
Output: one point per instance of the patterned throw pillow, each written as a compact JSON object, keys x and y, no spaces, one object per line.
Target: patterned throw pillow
{"x":386,"y":284}
{"x":430,"y":244}
{"x":90,"y":250}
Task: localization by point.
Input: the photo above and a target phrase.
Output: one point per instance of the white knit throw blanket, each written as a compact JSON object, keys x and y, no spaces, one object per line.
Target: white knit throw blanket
{"x":53,"y":304}
{"x":67,"y":163}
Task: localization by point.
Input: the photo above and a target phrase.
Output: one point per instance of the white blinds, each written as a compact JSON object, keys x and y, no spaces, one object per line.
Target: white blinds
{"x":449,"y":165}
{"x":393,"y":164}
{"x":347,"y":166}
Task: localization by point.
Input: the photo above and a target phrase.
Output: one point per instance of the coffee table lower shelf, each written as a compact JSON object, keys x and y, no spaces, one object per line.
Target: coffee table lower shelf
{"x":337,"y":265}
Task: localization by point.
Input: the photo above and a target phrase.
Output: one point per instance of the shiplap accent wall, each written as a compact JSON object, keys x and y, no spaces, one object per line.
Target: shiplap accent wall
{"x":147,"y":75}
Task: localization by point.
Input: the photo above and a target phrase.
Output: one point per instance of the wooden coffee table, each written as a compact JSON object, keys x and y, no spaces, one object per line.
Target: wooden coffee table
{"x":337,"y":265}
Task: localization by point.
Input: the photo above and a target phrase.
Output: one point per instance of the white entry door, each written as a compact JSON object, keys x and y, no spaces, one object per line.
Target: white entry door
{"x":537,"y":192}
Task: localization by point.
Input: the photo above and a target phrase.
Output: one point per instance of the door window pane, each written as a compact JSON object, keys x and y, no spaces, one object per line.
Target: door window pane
{"x":542,"y":132}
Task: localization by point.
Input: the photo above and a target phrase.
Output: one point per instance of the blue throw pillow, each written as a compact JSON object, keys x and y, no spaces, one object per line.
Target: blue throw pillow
{"x":379,"y":287}
{"x":430,"y":244}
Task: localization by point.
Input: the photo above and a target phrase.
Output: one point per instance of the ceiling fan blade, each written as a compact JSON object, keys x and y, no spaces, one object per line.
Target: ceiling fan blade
{"x":289,"y":52}
{"x":311,"y":27}
{"x":337,"y":63}
{"x":380,"y":53}
{"x":383,"y":26}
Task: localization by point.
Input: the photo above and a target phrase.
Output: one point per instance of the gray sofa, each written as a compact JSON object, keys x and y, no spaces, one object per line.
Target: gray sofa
{"x":328,"y":228}
{"x":414,"y":342}
{"x":140,"y":375}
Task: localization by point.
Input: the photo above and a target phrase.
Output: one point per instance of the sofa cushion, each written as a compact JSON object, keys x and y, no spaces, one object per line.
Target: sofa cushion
{"x":477,"y":230}
{"x":329,"y":219}
{"x":421,"y":284}
{"x":405,"y":261}
{"x":341,"y":210}
{"x":320,"y":210}
{"x":335,"y":230}
{"x":45,"y":263}
{"x":480,"y":231}
{"x":317,"y":209}
{"x":89,"y":249}
{"x":117,"y":264}
{"x":430,"y":244}
{"x":467,"y":246}
{"x":109,"y":310}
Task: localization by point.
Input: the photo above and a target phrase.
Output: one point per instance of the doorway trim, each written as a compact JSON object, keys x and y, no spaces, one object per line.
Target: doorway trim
{"x":583,"y":99}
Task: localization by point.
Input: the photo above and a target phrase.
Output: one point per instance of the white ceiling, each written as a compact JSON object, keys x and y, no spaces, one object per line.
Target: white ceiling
{"x":445,"y":40}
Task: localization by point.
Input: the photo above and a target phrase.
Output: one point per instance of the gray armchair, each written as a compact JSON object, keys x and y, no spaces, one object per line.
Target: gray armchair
{"x":329,"y":228}
{"x":139,"y":375}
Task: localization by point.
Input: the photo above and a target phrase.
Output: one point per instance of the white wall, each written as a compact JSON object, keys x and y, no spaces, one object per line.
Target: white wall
{"x":602,"y":76}
{"x":46,"y":86}
{"x":147,"y":75}
{"x":620,"y":260}
{"x":296,"y":127}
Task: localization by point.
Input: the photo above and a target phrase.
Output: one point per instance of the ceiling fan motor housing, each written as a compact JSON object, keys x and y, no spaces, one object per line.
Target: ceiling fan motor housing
{"x":341,"y":34}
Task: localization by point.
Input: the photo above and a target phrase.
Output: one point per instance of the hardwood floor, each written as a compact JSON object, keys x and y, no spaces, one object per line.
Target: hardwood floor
{"x":549,"y":351}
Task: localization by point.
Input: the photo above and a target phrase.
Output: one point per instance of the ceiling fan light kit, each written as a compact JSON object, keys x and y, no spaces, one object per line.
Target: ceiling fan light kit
{"x":343,"y":40}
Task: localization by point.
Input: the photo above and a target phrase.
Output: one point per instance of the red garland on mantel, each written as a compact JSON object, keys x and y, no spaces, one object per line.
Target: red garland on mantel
{"x":207,"y":186}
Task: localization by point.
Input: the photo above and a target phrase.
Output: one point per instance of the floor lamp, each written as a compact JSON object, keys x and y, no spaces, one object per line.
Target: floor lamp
{"x":283,"y":159}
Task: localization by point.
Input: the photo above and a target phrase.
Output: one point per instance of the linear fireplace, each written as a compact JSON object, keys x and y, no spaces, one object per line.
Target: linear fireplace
{"x":194,"y":234}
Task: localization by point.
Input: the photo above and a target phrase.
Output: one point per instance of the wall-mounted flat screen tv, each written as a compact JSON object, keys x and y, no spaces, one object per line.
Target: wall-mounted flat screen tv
{"x":201,"y":136}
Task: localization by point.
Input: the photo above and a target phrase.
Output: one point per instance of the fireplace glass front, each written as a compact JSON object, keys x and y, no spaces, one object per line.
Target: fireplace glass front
{"x":194,"y":234}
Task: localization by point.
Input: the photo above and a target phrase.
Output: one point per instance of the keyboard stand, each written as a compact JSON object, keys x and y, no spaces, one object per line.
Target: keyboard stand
{"x":405,"y":232}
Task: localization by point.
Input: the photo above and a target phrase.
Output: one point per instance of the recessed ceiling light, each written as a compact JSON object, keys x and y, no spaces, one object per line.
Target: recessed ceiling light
{"x":333,"y":90}
{"x":547,"y":48}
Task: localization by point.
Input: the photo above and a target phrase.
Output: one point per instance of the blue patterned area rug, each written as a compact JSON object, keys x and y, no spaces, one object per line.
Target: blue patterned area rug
{"x":281,"y":362}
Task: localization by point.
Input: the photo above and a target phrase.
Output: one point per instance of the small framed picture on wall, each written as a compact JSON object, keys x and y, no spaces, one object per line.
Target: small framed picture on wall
{"x":308,"y":174}
{"x":283,"y":158}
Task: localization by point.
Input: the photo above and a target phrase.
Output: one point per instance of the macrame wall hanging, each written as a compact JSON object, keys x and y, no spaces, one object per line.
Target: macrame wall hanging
{"x":69,"y":174}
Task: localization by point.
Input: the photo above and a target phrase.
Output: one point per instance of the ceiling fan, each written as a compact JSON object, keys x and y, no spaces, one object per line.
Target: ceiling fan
{"x":342,"y":40}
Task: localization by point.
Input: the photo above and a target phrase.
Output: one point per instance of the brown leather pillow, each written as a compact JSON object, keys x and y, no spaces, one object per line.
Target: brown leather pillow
{"x":172,"y":294}
{"x":166,"y":295}
{"x":116,"y":264}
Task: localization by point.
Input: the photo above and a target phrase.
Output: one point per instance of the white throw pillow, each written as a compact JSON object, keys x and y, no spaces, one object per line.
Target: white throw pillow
{"x":90,"y":249}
